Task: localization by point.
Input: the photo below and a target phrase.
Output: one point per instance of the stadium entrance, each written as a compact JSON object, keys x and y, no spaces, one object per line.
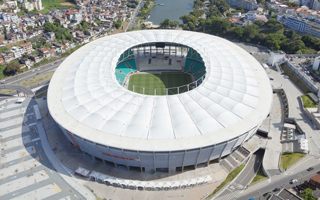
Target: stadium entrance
{"x":160,"y":69}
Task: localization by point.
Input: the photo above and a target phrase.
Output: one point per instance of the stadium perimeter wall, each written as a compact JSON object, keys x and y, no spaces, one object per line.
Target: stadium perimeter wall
{"x":170,"y":161}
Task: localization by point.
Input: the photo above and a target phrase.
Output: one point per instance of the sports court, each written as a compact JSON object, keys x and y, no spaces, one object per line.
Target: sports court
{"x":160,"y":69}
{"x":161,"y":83}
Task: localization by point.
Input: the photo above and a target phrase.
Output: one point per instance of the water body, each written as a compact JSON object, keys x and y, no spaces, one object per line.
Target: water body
{"x":170,"y":9}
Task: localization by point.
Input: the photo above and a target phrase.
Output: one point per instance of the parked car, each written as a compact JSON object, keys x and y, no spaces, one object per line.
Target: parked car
{"x":276,"y":190}
{"x":293,"y":181}
{"x":266,"y":194}
{"x":310,"y":169}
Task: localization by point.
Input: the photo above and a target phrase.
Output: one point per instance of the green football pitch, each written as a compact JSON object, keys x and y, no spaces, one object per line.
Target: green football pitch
{"x":157,"y":84}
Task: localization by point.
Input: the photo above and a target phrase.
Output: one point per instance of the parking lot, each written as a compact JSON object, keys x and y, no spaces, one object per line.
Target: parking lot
{"x":25,"y":171}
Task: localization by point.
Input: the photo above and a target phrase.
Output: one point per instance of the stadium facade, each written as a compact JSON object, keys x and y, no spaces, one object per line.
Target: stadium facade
{"x":152,"y":132}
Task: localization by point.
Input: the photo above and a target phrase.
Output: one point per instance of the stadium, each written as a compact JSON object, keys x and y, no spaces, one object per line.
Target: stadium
{"x":159,"y":100}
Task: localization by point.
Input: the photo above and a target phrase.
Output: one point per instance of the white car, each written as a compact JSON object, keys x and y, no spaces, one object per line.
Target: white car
{"x":293,"y":181}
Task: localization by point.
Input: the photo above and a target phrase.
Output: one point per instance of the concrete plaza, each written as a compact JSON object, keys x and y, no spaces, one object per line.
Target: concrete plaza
{"x":25,"y":171}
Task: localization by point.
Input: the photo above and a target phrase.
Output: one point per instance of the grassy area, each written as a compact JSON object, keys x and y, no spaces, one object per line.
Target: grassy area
{"x":259,"y":177}
{"x":288,"y":159}
{"x":121,"y":29}
{"x":229,"y":178}
{"x":152,"y":84}
{"x":308,"y":102}
{"x":1,"y":71}
{"x":56,"y":4}
{"x":36,"y":80}
{"x":7,"y":91}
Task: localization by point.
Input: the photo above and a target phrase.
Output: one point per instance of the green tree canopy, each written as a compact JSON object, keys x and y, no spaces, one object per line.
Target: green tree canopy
{"x":167,"y":23}
{"x":307,"y":194}
{"x":117,"y":24}
{"x":222,"y":5}
{"x":12,"y":68}
{"x":60,"y":32}
{"x":312,"y":42}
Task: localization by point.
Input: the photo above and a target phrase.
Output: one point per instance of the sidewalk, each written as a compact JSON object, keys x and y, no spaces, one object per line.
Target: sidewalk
{"x":274,"y":147}
{"x":59,"y":167}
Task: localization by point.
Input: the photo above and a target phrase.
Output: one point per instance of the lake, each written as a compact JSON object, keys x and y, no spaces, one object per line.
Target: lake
{"x":170,"y":9}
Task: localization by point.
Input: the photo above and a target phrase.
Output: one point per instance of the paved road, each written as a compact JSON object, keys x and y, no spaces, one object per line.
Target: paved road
{"x":278,"y":181}
{"x":251,"y":170}
{"x":30,"y":73}
{"x":18,"y":88}
{"x":245,"y":176}
{"x":134,"y":16}
{"x":298,"y":171}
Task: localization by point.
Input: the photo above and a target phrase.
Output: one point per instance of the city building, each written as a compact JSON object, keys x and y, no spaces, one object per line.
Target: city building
{"x":32,"y":5}
{"x":17,"y":51}
{"x":315,"y":180}
{"x":312,"y":4}
{"x":27,"y":46}
{"x":28,"y":5}
{"x":316,"y":64}
{"x":37,"y":4}
{"x":159,"y":133}
{"x":284,"y":194}
{"x":303,"y":146}
{"x":315,"y":4}
{"x":301,"y":25}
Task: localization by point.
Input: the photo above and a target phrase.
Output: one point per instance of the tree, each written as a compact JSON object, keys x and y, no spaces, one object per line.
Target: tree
{"x":117,"y":24}
{"x":236,"y":32}
{"x":4,"y":49}
{"x":198,"y":4}
{"x":292,"y":45}
{"x":167,"y":23}
{"x":190,"y":22}
{"x":144,"y":11}
{"x":261,"y":1}
{"x":189,"y":18}
{"x":217,"y":25}
{"x":274,"y":40}
{"x":222,"y":5}
{"x":307,"y":194}
{"x":250,"y":32}
{"x":214,"y":11}
{"x":132,"y":4}
{"x":271,"y":34}
{"x":311,"y":42}
{"x":84,"y":26}
{"x":12,"y":68}
{"x":273,"y":26}
{"x":60,"y":32}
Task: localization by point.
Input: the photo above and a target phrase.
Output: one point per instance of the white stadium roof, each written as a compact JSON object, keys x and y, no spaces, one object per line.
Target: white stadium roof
{"x":85,"y":98}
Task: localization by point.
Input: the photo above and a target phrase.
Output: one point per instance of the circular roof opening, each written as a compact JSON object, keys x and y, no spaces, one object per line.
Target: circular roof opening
{"x":160,"y":68}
